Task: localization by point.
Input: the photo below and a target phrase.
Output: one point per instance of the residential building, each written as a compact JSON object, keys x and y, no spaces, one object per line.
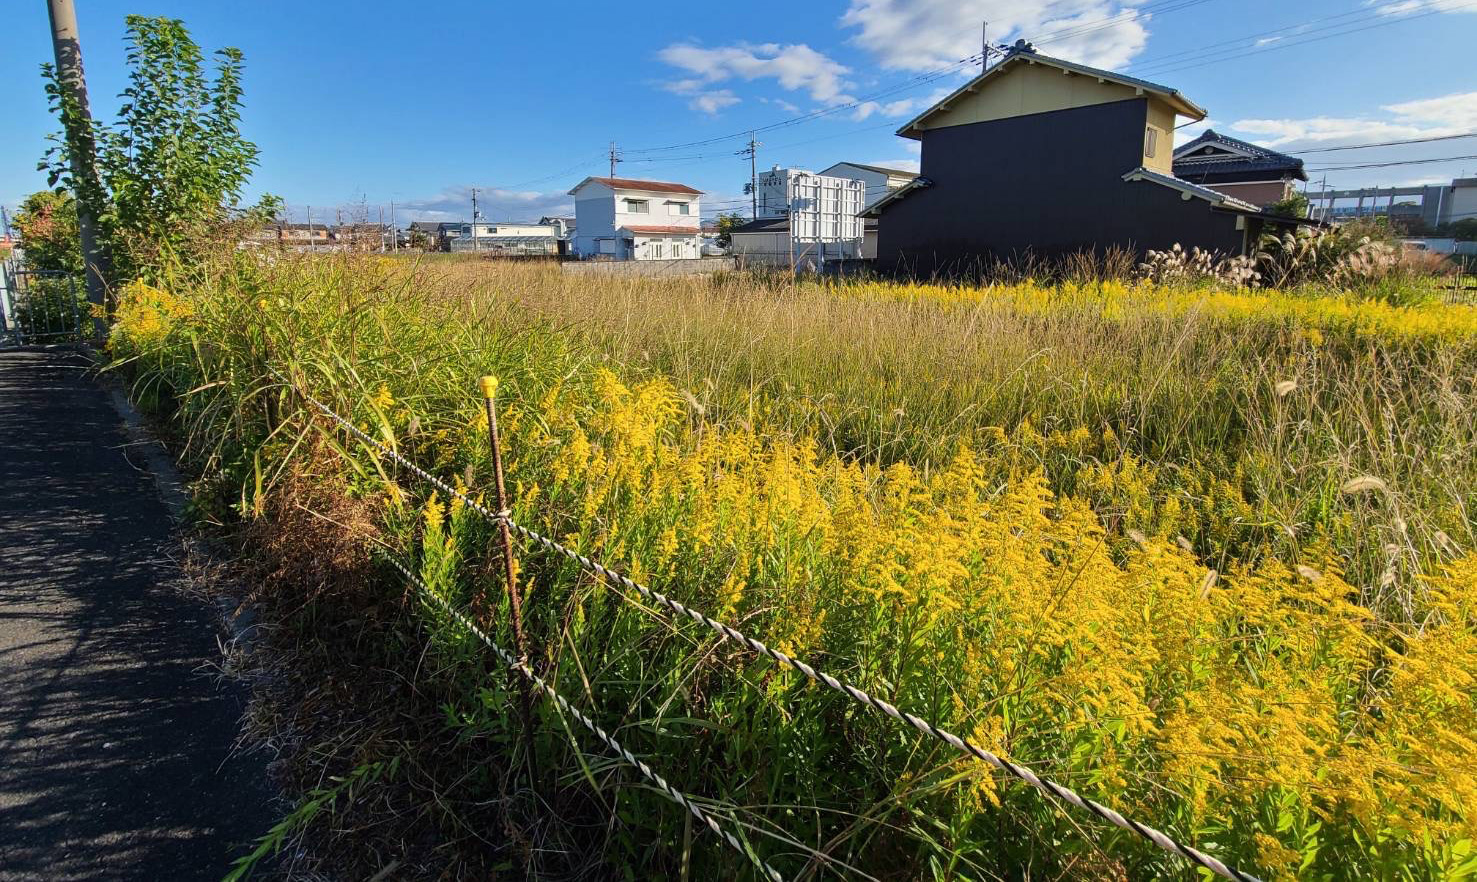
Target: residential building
{"x":434,"y":235}
{"x":630,"y":219}
{"x":362,"y":236}
{"x":303,"y":237}
{"x":879,"y":180}
{"x":563,"y":226}
{"x":1254,"y":174}
{"x":1047,"y":157}
{"x":506,"y":239}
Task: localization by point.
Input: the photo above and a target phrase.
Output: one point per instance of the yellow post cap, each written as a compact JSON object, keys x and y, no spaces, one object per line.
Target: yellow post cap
{"x":489,"y":386}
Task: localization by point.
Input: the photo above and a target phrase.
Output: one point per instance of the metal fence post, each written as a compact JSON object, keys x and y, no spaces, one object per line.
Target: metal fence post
{"x":510,"y":571}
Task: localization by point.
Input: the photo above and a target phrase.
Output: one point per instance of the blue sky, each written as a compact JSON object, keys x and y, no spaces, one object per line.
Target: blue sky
{"x":369,"y":102}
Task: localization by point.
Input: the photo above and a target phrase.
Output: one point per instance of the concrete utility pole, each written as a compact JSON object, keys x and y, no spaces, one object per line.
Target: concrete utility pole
{"x":615,"y":157}
{"x":67,"y":48}
{"x":753,"y":151}
{"x":474,"y":218}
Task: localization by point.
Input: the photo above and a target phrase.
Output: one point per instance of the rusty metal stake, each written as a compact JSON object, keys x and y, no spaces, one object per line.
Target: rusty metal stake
{"x":510,"y":571}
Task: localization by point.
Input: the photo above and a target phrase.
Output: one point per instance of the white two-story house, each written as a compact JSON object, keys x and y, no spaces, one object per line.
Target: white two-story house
{"x":627,"y":219}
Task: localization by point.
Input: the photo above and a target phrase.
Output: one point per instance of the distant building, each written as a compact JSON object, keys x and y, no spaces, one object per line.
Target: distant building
{"x":362,"y":237}
{"x":804,"y":219}
{"x":563,"y":226}
{"x":302,"y":237}
{"x":1438,"y":205}
{"x":630,"y":219}
{"x":506,"y":239}
{"x":766,"y":242}
{"x":434,"y":235}
{"x":1254,"y":174}
{"x":1044,"y":157}
{"x":879,"y":180}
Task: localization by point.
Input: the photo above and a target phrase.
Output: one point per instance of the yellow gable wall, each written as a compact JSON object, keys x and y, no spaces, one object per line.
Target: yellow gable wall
{"x":1028,"y":88}
{"x":1161,"y":119}
{"x":1040,"y":88}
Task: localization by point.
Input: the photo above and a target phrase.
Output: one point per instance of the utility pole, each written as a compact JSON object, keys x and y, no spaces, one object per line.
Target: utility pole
{"x":985,"y":46}
{"x":312,"y":241}
{"x":5,"y":221}
{"x":394,"y":230}
{"x":615,"y":157}
{"x":752,"y":151}
{"x":474,"y":218}
{"x":67,"y":47}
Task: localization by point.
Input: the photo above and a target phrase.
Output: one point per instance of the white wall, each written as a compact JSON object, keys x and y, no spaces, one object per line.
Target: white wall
{"x":878,"y":184}
{"x":659,"y":212}
{"x":594,"y":217}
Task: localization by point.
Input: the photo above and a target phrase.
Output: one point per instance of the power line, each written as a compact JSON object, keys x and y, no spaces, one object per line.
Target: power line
{"x":1393,"y":163}
{"x":1429,"y":140}
{"x":1387,"y":21}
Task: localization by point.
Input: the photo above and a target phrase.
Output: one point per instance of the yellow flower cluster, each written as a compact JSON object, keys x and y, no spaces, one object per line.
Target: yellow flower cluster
{"x":1213,"y":699}
{"x":1117,"y":300}
{"x":144,"y":317}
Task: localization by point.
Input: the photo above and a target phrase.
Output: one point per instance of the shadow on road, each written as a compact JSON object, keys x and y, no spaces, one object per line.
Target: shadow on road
{"x":115,"y":742}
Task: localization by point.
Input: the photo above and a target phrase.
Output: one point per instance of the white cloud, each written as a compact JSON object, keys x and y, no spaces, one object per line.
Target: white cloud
{"x":927,"y":34}
{"x":1427,"y":117}
{"x":902,"y":107}
{"x":1406,"y":7}
{"x":1266,"y":41}
{"x":713,"y":101}
{"x":795,"y":67}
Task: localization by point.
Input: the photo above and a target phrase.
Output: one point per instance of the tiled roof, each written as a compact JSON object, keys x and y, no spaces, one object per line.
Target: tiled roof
{"x":1215,"y":197}
{"x":637,"y":184}
{"x":1192,"y":163}
{"x":880,"y":169}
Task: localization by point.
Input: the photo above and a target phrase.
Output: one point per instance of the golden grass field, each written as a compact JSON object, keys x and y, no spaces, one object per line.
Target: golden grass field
{"x":1204,"y":555}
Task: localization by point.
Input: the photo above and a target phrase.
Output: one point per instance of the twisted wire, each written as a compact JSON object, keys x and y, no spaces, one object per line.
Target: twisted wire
{"x":1023,"y":773}
{"x":512,"y":662}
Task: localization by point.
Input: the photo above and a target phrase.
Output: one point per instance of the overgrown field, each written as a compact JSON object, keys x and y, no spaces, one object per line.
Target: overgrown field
{"x":1205,"y":556}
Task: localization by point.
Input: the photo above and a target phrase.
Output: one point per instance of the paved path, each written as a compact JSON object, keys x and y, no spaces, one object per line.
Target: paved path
{"x":114,"y":740}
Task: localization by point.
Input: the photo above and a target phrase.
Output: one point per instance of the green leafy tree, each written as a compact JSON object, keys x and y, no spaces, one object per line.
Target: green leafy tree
{"x":47,"y":222}
{"x":172,"y":167}
{"x":1295,"y":205}
{"x":726,"y":225}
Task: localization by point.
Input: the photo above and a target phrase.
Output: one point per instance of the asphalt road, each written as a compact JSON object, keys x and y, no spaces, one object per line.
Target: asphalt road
{"x":115,"y":739}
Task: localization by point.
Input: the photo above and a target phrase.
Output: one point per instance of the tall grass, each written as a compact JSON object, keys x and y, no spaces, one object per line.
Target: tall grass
{"x":1201,"y":556}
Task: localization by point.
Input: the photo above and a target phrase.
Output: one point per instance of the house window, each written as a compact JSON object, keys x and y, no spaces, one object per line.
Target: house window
{"x":656,"y":249}
{"x":1151,"y":141}
{"x":638,"y":206}
{"x":681,"y":208}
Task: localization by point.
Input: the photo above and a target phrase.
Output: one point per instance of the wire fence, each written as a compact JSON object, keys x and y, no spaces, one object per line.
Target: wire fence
{"x":523,"y":670}
{"x":610,"y":577}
